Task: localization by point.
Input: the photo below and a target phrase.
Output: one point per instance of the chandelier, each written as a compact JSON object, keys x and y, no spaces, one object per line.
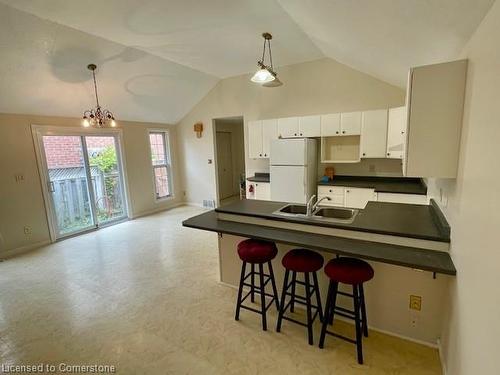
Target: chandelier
{"x":97,"y":117}
{"x":266,"y":74}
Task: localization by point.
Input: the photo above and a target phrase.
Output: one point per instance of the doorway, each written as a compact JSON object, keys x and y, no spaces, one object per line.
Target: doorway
{"x":82,"y":179}
{"x":230,"y":158}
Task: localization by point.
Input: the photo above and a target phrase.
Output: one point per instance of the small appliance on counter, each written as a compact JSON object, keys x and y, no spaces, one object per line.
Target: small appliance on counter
{"x":293,"y":169}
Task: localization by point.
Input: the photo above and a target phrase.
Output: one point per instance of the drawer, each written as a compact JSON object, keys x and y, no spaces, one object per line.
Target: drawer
{"x":336,"y":200}
{"x":331,"y":190}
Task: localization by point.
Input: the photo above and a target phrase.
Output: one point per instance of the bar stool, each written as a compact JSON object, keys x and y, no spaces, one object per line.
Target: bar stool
{"x":256,"y":253}
{"x":306,"y":262}
{"x":354,"y":272}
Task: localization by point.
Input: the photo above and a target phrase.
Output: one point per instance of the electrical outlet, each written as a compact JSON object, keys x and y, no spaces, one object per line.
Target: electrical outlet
{"x":19,"y":178}
{"x":415,"y":302}
{"x":414,"y":319}
{"x":27,"y":230}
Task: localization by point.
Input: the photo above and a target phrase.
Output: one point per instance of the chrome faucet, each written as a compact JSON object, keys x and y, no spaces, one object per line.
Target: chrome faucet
{"x":309,"y":205}
{"x":315,"y":206}
{"x":310,"y":208}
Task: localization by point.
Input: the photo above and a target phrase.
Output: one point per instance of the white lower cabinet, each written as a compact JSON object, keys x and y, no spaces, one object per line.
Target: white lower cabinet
{"x":262,"y":191}
{"x":359,"y":197}
{"x":341,"y":196}
{"x":403,"y":198}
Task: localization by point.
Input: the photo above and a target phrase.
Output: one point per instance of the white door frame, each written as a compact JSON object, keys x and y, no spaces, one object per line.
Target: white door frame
{"x":38,"y":131}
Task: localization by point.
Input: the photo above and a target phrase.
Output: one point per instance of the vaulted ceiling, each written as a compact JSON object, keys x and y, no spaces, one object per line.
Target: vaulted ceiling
{"x":156,"y":59}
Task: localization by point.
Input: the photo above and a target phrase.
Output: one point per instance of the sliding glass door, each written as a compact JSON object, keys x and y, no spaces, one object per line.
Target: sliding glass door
{"x":84,"y":182}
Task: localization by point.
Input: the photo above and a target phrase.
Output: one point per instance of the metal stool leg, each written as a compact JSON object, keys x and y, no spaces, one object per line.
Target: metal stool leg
{"x":294,"y":279}
{"x":282,"y":302}
{"x":328,"y":307}
{"x":240,"y":291}
{"x":357,"y":321}
{"x":262,"y":296}
{"x":308,"y":307}
{"x":318,"y":296}
{"x":363,"y":310}
{"x":252,"y":282}
{"x":273,"y":284}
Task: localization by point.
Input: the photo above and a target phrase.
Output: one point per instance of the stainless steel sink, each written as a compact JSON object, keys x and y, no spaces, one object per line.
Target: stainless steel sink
{"x":344,"y":215}
{"x":329,"y":214}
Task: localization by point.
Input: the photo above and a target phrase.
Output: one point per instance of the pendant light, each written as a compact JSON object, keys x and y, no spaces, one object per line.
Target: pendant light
{"x":266,"y":76}
{"x":97,"y":117}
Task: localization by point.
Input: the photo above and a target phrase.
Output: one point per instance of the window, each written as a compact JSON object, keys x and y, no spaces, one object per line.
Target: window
{"x":160,"y":158}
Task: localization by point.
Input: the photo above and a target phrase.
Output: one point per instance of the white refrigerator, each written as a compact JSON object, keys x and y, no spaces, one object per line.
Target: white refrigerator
{"x":293,"y":169}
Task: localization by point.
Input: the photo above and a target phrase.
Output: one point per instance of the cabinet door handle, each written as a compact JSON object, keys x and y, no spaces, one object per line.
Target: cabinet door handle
{"x":343,"y":131}
{"x":265,"y":154}
{"x":295,"y":134}
{"x":260,"y":154}
{"x":336,"y":132}
{"x":402,"y":132}
{"x":330,"y":190}
{"x":347,"y":191}
{"x":388,"y":154}
{"x":364,"y":154}
{"x":300,"y":133}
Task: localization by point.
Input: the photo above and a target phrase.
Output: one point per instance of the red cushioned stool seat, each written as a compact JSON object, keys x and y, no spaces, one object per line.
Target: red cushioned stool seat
{"x":302,"y":260}
{"x":349,"y":271}
{"x":257,"y":251}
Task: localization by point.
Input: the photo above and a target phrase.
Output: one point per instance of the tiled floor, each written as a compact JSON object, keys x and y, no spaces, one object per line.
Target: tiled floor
{"x":144,"y":296}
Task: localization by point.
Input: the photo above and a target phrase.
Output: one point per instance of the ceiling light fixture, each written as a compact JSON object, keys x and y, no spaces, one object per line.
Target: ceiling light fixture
{"x":97,"y":117}
{"x":266,"y":74}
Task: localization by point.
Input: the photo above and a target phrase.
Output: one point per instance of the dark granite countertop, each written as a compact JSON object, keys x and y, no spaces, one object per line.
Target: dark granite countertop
{"x":397,"y":219}
{"x":400,"y":185}
{"x":429,"y":260}
{"x":260,"y":177}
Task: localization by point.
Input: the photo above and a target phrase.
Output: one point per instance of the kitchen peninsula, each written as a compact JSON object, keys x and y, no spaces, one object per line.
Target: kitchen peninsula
{"x":406,"y":244}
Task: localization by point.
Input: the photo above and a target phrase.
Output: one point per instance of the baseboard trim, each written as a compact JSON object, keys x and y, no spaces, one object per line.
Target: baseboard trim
{"x":194,"y":204}
{"x":22,"y":249}
{"x":156,"y":210}
{"x":411,"y":339}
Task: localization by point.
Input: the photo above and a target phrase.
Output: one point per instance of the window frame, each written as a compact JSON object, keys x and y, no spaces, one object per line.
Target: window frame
{"x":168,"y":163}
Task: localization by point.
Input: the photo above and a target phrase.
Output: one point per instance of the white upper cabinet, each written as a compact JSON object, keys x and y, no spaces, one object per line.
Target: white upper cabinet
{"x":350,"y":123}
{"x":310,"y":126}
{"x":396,"y":133}
{"x":255,"y":139}
{"x":288,"y":127}
{"x":435,"y":101}
{"x":330,"y":125}
{"x":269,"y":133}
{"x":260,"y":135}
{"x":374,"y":134}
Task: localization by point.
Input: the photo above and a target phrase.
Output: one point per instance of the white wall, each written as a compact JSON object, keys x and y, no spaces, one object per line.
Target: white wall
{"x":472,"y":325}
{"x":317,"y":87}
{"x":21,"y":204}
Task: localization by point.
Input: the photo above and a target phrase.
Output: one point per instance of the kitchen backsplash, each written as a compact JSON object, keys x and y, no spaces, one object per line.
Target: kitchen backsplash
{"x":371,"y":167}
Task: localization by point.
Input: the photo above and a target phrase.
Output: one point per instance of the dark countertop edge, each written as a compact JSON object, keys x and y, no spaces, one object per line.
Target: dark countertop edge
{"x":369,"y":185}
{"x":260,"y":177}
{"x":439,"y":218}
{"x":332,"y":225}
{"x":337,"y":245}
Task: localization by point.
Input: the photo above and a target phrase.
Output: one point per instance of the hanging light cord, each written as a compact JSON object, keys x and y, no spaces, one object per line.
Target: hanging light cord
{"x":95,"y":88}
{"x":270,"y":54}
